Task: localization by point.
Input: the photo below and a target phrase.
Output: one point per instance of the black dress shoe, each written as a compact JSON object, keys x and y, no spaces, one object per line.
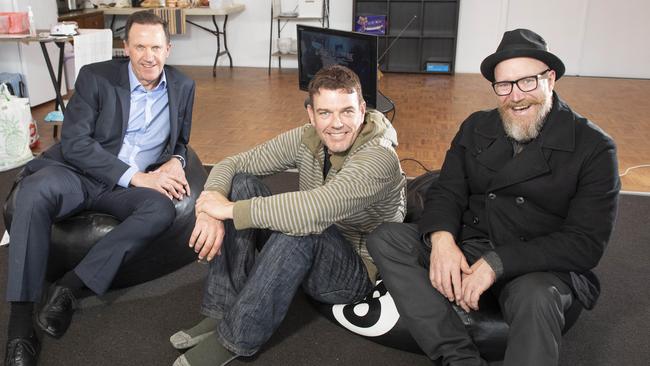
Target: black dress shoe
{"x":22,"y":351}
{"x":54,"y":318}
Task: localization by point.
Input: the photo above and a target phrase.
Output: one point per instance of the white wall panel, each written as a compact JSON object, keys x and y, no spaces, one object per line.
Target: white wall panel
{"x":248,"y":35}
{"x":559,"y":22}
{"x":617,"y":39}
{"x":592,"y":37}
{"x":479,"y":31}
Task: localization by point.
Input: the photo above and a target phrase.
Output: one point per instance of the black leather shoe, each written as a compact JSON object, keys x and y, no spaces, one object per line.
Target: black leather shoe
{"x":22,"y":351}
{"x":54,"y":318}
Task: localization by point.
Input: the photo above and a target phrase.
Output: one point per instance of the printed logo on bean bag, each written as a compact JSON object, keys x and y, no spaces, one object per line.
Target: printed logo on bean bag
{"x":376,"y":315}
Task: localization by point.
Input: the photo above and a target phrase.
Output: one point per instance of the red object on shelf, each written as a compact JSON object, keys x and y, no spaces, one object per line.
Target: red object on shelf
{"x":14,"y":23}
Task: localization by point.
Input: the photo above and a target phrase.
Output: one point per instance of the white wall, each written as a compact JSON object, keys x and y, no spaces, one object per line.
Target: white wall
{"x":248,"y":35}
{"x":592,"y":37}
{"x":27,"y":59}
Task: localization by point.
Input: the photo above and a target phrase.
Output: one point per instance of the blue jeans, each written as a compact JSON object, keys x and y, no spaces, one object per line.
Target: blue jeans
{"x":251,"y":291}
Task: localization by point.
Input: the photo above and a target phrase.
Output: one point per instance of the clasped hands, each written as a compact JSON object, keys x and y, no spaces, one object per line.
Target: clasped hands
{"x":211,"y":209}
{"x":169,"y":179}
{"x":450,"y":274}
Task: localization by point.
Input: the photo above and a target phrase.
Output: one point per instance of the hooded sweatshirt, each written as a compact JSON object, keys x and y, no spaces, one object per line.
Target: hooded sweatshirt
{"x":364,"y":187}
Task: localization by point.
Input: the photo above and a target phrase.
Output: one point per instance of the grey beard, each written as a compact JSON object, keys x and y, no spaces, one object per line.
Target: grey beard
{"x":524,"y":132}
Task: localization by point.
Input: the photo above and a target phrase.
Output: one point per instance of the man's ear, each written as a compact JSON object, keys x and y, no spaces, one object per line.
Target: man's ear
{"x":551,"y":80}
{"x":126,"y":48}
{"x":312,"y":114}
{"x":169,"y":48}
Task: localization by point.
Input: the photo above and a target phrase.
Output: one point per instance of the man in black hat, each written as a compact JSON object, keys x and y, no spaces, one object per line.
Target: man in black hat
{"x":524,"y":207}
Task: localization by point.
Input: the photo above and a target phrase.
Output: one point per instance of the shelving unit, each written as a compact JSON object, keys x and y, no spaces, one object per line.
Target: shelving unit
{"x":277,"y":21}
{"x":93,"y":19}
{"x":427,"y":45}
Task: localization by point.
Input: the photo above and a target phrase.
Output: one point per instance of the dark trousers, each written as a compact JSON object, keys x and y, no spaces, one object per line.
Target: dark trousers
{"x":52,"y":192}
{"x":251,"y":291}
{"x":533,"y":305}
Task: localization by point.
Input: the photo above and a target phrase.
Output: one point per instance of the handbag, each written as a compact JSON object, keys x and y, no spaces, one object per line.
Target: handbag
{"x":15,"y":119}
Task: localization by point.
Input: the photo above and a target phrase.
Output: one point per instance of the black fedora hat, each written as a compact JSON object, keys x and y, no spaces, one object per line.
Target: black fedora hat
{"x":521,"y":43}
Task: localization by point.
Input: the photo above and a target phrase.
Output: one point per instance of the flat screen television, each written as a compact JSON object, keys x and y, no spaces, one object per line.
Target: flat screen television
{"x":320,"y":47}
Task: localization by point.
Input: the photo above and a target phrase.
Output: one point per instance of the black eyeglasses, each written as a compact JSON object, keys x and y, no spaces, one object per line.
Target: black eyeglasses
{"x":525,"y":84}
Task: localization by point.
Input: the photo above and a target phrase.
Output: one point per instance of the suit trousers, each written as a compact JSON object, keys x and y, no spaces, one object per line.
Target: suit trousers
{"x":533,"y":304}
{"x":51,"y":192}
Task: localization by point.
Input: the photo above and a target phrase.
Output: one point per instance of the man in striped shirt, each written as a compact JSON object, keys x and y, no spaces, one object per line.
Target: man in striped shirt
{"x":350,"y":181}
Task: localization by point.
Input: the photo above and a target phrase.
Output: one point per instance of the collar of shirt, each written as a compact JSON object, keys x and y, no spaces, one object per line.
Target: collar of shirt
{"x":135,"y":84}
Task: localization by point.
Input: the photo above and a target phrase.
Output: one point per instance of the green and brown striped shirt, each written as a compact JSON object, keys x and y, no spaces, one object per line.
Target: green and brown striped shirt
{"x":364,"y":187}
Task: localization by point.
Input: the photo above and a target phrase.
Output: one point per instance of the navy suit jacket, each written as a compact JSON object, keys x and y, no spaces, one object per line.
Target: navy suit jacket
{"x":97,"y":115}
{"x":550,"y":208}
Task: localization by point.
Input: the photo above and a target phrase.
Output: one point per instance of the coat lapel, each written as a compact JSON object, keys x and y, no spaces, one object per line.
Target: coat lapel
{"x":492,"y":149}
{"x":172,"y":98}
{"x":530,"y":163}
{"x":124,"y":95}
{"x":558,"y":133}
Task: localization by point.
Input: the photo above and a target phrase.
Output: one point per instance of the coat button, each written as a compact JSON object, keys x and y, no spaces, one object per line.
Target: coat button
{"x":475,"y":220}
{"x":520,"y":200}
{"x":522,"y":238}
{"x":492,"y":196}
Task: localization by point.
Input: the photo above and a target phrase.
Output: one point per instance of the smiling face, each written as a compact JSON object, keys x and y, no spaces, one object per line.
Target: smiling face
{"x":148,"y":49}
{"x":337,"y":117}
{"x":523,"y":113}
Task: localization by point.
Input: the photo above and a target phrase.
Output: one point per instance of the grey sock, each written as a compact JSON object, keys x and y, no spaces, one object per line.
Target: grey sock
{"x":204,"y":326}
{"x":190,"y":337}
{"x":209,"y":352}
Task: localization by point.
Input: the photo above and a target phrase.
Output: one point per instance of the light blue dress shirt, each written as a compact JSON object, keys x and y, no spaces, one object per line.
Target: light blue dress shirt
{"x":148,"y":128}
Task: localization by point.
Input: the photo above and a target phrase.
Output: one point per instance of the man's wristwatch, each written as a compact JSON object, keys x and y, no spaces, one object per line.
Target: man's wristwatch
{"x":181,"y":159}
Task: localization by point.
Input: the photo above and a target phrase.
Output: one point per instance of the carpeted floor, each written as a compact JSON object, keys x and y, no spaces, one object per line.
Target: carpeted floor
{"x":132,"y":326}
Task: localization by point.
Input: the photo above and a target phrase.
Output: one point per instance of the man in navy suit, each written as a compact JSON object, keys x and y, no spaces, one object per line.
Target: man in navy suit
{"x":122,"y":152}
{"x":524,"y":207}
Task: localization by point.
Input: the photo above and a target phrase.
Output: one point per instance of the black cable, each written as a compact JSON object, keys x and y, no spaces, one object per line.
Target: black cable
{"x":393,"y":108}
{"x":417,"y":161}
{"x":392,"y":117}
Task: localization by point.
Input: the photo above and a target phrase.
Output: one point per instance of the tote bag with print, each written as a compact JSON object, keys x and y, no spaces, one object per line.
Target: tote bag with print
{"x":15,"y":118}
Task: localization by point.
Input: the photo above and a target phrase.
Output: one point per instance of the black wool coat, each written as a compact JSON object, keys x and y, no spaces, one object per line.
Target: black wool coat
{"x":550,"y":208}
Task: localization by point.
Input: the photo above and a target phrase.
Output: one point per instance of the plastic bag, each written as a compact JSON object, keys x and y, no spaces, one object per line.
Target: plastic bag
{"x":15,"y":119}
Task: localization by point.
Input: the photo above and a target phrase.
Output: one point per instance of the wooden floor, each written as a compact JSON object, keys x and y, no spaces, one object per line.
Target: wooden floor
{"x":242,"y":107}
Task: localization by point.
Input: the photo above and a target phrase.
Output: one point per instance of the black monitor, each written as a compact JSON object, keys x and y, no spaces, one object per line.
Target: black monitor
{"x":320,"y":47}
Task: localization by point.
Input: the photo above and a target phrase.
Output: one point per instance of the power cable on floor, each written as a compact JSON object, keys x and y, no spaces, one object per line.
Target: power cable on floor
{"x":628,"y":170}
{"x":418,"y":162}
{"x":634,"y":167}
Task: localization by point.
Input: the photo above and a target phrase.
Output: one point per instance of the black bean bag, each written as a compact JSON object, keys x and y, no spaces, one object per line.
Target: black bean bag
{"x":73,"y":237}
{"x":376,"y":317}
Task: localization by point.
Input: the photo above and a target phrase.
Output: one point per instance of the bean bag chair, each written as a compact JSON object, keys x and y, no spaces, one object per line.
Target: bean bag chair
{"x":377,"y":318}
{"x":73,"y":237}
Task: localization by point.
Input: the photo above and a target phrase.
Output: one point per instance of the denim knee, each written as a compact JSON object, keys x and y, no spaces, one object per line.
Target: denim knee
{"x":245,"y":186}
